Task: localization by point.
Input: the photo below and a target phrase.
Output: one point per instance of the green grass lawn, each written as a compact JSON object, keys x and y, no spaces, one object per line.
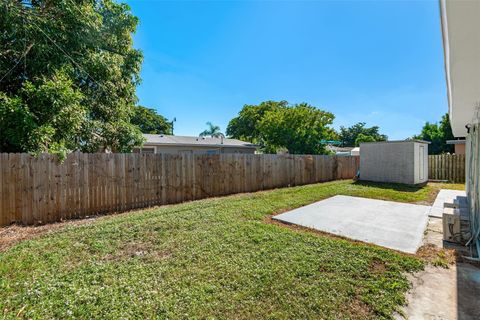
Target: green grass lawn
{"x":214,"y":258}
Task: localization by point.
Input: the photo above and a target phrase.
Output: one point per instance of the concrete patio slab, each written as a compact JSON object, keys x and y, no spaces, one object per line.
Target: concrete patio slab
{"x":445,"y":195}
{"x":394,"y":225}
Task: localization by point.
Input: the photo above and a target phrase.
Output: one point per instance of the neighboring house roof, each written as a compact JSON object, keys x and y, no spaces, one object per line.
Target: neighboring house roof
{"x":455,"y":141}
{"x":338,"y":149}
{"x":331,"y":142}
{"x":164,"y":139}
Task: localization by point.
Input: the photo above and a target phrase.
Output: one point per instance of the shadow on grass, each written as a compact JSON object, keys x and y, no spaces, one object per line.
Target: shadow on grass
{"x":391,"y":186}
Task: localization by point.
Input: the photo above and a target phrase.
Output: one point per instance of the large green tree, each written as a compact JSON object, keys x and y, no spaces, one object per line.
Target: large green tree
{"x":349,"y":136}
{"x":299,"y":128}
{"x":276,"y":125}
{"x":363,"y":138}
{"x":246,"y":125}
{"x":68,"y":73}
{"x":149,"y":121}
{"x":437,"y":134}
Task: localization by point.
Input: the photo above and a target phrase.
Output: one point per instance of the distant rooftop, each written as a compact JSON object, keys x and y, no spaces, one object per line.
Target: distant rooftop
{"x":456,"y":141}
{"x":165,"y":139}
{"x":338,"y":149}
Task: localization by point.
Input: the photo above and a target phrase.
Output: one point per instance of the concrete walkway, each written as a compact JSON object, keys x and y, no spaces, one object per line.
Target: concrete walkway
{"x":443,"y":293}
{"x":394,"y":225}
{"x":446,"y":294}
{"x":445,"y":195}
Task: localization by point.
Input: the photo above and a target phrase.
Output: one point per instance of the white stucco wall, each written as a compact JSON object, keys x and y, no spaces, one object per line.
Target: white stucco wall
{"x":393,"y":161}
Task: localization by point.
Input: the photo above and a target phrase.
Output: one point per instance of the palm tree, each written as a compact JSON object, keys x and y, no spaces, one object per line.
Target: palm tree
{"x":212,"y":131}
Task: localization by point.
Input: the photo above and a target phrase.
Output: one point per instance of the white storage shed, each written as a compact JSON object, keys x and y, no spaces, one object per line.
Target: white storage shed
{"x":394,"y":161}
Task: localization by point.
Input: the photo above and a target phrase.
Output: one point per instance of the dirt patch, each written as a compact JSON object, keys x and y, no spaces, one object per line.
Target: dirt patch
{"x":432,"y":195}
{"x":359,"y":309}
{"x":13,"y":234}
{"x":377,"y":266}
{"x":438,"y":256}
{"x":279,"y":212}
{"x":141,"y":250}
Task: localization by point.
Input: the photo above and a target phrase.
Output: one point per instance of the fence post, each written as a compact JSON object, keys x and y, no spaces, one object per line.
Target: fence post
{"x":335,"y":167}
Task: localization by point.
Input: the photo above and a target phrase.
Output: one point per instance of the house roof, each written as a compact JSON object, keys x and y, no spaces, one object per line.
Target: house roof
{"x":456,"y":141}
{"x":338,"y":149}
{"x":164,"y":139}
{"x":460,"y":24}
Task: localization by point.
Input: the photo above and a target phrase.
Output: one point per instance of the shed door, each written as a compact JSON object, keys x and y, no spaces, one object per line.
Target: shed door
{"x":421,"y":162}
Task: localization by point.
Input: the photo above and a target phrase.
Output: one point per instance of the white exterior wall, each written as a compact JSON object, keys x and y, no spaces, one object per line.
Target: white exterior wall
{"x":473,"y":181}
{"x":395,"y":161}
{"x":461,"y":43}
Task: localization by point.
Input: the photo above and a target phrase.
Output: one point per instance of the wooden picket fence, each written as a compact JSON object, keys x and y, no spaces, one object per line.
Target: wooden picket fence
{"x":449,"y":167}
{"x":35,"y":190}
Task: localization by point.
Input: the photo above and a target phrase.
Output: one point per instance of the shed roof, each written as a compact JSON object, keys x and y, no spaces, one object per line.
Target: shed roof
{"x":399,"y":141}
{"x":164,"y":139}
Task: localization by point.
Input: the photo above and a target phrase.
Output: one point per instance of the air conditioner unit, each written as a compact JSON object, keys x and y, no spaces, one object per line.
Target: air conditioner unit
{"x":451,"y":225}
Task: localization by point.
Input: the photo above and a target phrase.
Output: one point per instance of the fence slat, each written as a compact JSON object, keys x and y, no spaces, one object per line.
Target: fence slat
{"x":449,"y":167}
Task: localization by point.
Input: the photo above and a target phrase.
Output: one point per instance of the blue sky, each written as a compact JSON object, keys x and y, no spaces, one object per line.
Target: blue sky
{"x":376,"y":62}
